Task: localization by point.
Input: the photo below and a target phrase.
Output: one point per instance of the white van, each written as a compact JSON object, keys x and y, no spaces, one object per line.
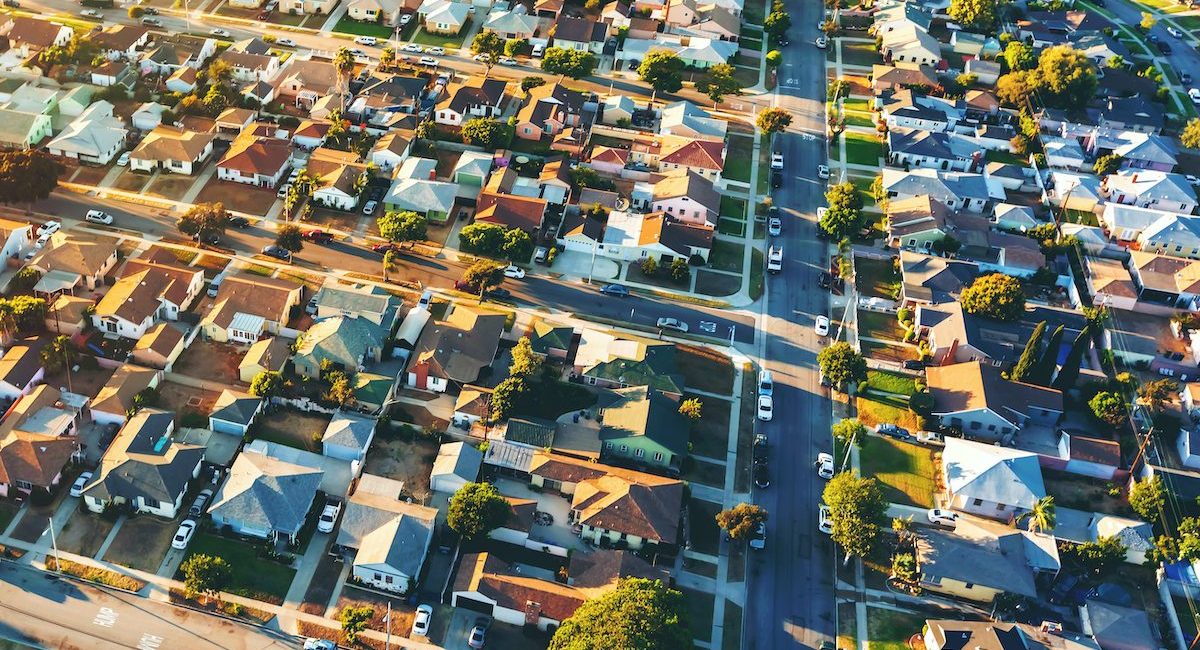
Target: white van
{"x":538,"y":50}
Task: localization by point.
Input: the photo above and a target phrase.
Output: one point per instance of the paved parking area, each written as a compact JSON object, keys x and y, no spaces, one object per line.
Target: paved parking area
{"x":578,"y":264}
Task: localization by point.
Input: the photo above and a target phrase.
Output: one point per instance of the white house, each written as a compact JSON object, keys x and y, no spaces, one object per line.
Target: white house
{"x":388,"y":538}
{"x":1151,"y":189}
{"x":20,"y":369}
{"x":348,"y":436}
{"x":96,"y":136}
{"x":457,"y":464}
{"x":991,"y":481}
{"x":255,"y":160}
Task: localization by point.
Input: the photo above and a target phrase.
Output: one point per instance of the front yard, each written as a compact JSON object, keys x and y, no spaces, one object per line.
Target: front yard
{"x":905,"y":471}
{"x":700,"y":606}
{"x":896,"y":383}
{"x":84,"y":532}
{"x":251,"y":576}
{"x":703,"y":533}
{"x":739,"y":159}
{"x":710,"y":434}
{"x":726,"y":255}
{"x":888,"y":629}
{"x":879,"y":325}
{"x":863,"y":54}
{"x":402,"y":615}
{"x":238,"y":196}
{"x":863,"y":148}
{"x":705,"y":369}
{"x":876,"y":409}
{"x":876,"y":277}
{"x":348,"y":25}
{"x":141,"y":543}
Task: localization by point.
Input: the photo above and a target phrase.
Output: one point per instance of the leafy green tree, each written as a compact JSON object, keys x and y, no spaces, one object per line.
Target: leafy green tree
{"x":58,"y":354}
{"x":509,"y":397}
{"x":1044,"y":370}
{"x":341,"y":387}
{"x":1014,"y":87}
{"x":1148,"y":497}
{"x":691,"y":408}
{"x":741,"y":520}
{"x":489,"y":44}
{"x":575,"y":64}
{"x":205,"y":574}
{"x":848,"y":430}
{"x":1042,"y":516}
{"x":135,"y":11}
{"x":481,"y":239}
{"x":406,"y":226}
{"x":484,"y":132}
{"x":1019,"y":55}
{"x":531,"y":82}
{"x":777,"y":23}
{"x":650,"y":266}
{"x":1148,"y":21}
{"x":525,"y":362}
{"x":1069,"y":373}
{"x":517,"y":246}
{"x":844,"y":216}
{"x":28,"y":312}
{"x":981,"y":15}
{"x":289,"y":236}
{"x":840,"y":364}
{"x":387,"y":58}
{"x":638,"y":615}
{"x":1190,"y":137}
{"x":1158,"y":393}
{"x":1029,"y":355}
{"x":857,"y":508}
{"x":663,"y":70}
{"x":483,"y":275}
{"x":205,"y":220}
{"x":1097,"y":559}
{"x":1108,"y":407}
{"x":774,"y":58}
{"x":1107,"y":164}
{"x":773,"y":120}
{"x":516,"y":47}
{"x":475,"y":510}
{"x":679,"y":270}
{"x":1065,"y":77}
{"x":267,"y":383}
{"x":719,"y":82}
{"x":995,"y":296}
{"x":354,"y":619}
{"x":27,"y":176}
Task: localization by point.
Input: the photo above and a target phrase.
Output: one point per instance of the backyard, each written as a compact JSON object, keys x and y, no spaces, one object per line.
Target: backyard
{"x":293,"y":428}
{"x":905,"y":471}
{"x":252,"y":576}
{"x":403,"y":457}
{"x":210,"y":361}
{"x":876,"y":277}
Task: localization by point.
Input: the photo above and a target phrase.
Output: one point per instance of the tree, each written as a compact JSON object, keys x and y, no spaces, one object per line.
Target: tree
{"x":515,"y":46}
{"x":741,"y":520}
{"x":481,"y":238}
{"x":58,"y":354}
{"x":354,"y":620}
{"x":205,"y":574}
{"x":1191,"y":134}
{"x":475,"y":510}
{"x":774,"y":58}
{"x":531,"y":82}
{"x":1012,"y":88}
{"x":387,"y":58}
{"x":1029,"y":355}
{"x":483,"y":275}
{"x":849,"y":430}
{"x":1070,"y":368}
{"x":649,"y":266}
{"x":1096,"y":559}
{"x":1044,"y":370}
{"x":341,"y":387}
{"x":840,"y":364}
{"x":1148,"y":21}
{"x":995,"y":296}
{"x":777,"y":23}
{"x":1064,"y":78}
{"x":343,"y":65}
{"x":691,"y":408}
{"x":1147,"y":498}
{"x":267,"y":383}
{"x":720,"y":82}
{"x":1042,"y":516}
{"x":843,"y":217}
{"x":1019,"y":56}
{"x":663,"y":70}
{"x":508,"y":397}
{"x":679,"y":271}
{"x":390,"y":263}
{"x":406,"y":226}
{"x":484,"y":132}
{"x":289,"y":236}
{"x":27,"y":176}
{"x":639,"y":614}
{"x":1108,"y":407}
{"x":1107,"y":164}
{"x":857,"y":508}
{"x":773,"y":120}
{"x":525,"y":362}
{"x":136,"y":11}
{"x":205,"y":220}
{"x":978,"y":14}
{"x":575,"y":64}
{"x":517,"y":246}
{"x":490,"y":44}
{"x":1115,"y":62}
{"x":1158,"y":393}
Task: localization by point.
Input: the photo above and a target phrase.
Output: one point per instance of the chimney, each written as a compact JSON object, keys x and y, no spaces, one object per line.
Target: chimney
{"x":433,"y":174}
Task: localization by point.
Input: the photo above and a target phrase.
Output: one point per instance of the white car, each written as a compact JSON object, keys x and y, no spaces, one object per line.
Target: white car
{"x":821,"y":42}
{"x":1191,"y":179}
{"x":766,"y":385}
{"x":1174,"y":32}
{"x":515,"y":272}
{"x":508,"y":60}
{"x":427,"y":60}
{"x":285,"y":42}
{"x":48,"y":228}
{"x":825,"y":520}
{"x":482,"y":58}
{"x":774,"y":226}
{"x":776,"y":160}
{"x":96,"y":216}
{"x":821,"y":213}
{"x":436,"y":51}
{"x":822,"y":326}
{"x":184,"y":534}
{"x":77,"y":486}
{"x":825,"y":465}
{"x":219,"y":33}
{"x":775,"y":259}
{"x":759,"y":541}
{"x":328,"y":517}
{"x":123,"y":159}
{"x":91,"y":13}
{"x":405,"y":19}
{"x":1195,"y":95}
{"x":413,"y":47}
{"x":319,"y":644}
{"x":420,"y":626}
{"x":369,"y":207}
{"x":666,"y":323}
{"x":822,"y":171}
{"x":369,"y":41}
{"x":766,"y":408}
{"x":943,"y":517}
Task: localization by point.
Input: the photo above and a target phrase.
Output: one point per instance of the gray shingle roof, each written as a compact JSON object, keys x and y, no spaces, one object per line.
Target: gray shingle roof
{"x":995,"y":474}
{"x":265,"y":492}
{"x":349,"y":430}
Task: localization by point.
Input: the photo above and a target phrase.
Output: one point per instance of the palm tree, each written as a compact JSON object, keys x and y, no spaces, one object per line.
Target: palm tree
{"x":387,"y":58}
{"x":389,"y":263}
{"x":1043,"y":516}
{"x":343,"y":63}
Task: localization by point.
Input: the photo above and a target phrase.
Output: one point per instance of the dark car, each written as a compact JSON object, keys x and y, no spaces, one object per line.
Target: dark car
{"x":776,"y":179}
{"x":499,"y":294}
{"x":239,"y":222}
{"x":1063,"y":586}
{"x":892,"y":431}
{"x":614,"y":290}
{"x":318,"y":236}
{"x":384,"y":248}
{"x":149,"y":11}
{"x":1185,"y":78}
{"x":278,"y":252}
{"x":212,"y":239}
{"x":825,"y":280}
{"x":762,"y":478}
{"x":1163,"y":47}
{"x":12,"y":3}
{"x":914,"y":364}
{"x":760,"y":447}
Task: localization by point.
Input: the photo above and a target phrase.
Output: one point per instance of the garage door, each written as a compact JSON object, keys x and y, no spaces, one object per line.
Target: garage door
{"x":466,"y":602}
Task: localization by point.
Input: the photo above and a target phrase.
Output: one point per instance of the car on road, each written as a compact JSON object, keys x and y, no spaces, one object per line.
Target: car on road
{"x":821,"y":42}
{"x":241,"y":223}
{"x":1163,"y":47}
{"x":478,"y":634}
{"x":822,"y":326}
{"x":319,"y":644}
{"x":184,"y":534}
{"x":760,"y":447}
{"x":508,"y":60}
{"x":892,"y":431}
{"x":77,"y":486}
{"x":766,"y":384}
{"x":668,"y":323}
{"x":197,"y":508}
{"x":762,"y":476}
{"x":355,"y":52}
{"x":98,"y":216}
{"x":49,"y":228}
{"x":385,"y":247}
{"x":436,"y":51}
{"x":766,"y":408}
{"x":427,"y":60}
{"x":219,"y":33}
{"x":513,"y":271}
{"x":942,"y":517}
{"x":278,"y":252}
{"x":775,"y":226}
{"x":499,"y":294}
{"x":776,"y":179}
{"x":776,"y":160}
{"x":823,"y":171}
{"x":328,"y":516}
{"x":91,"y":13}
{"x":318,"y":236}
{"x":150,"y":21}
{"x":482,"y":58}
{"x":369,"y":41}
{"x":775,"y":259}
{"x":824,"y":465}
{"x":1194,"y":94}
{"x":1174,"y":32}
{"x":424,"y":615}
{"x":285,"y":42}
{"x":614,"y":290}
{"x":825,"y":520}
{"x":414,"y":48}
{"x":1185,"y":78}
{"x":825,"y":279}
{"x":123,"y":159}
{"x":759,"y":541}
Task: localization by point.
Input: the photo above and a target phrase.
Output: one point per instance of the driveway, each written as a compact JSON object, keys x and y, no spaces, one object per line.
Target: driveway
{"x":460,"y":629}
{"x":577,"y":264}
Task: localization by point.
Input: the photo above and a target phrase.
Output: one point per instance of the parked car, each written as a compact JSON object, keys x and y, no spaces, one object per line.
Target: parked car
{"x":759,"y":541}
{"x":762,"y":476}
{"x":219,"y":33}
{"x":285,"y":42}
{"x":823,"y":171}
{"x":328,"y":516}
{"x":776,"y":179}
{"x":436,"y":51}
{"x":766,"y":384}
{"x":278,"y":252}
{"x":774,"y":226}
{"x":513,"y":271}
{"x":930,"y":438}
{"x":1194,"y":94}
{"x":150,"y":21}
{"x":482,"y":58}
{"x":369,"y":41}
{"x":766,"y":408}
{"x":499,"y":293}
{"x":825,"y":280}
{"x":77,"y":486}
{"x":405,"y":19}
{"x":98,"y":216}
{"x":1174,"y":32}
{"x":776,"y":160}
{"x":91,"y":13}
{"x":508,"y":60}
{"x":184,"y":534}
{"x":667,"y":323}
{"x":479,"y":633}
{"x":822,"y":326}
{"x":123,"y":159}
{"x":369,"y":207}
{"x":821,"y":42}
{"x":614,"y":290}
{"x":318,"y":236}
{"x":197,"y":508}
{"x":760,"y":447}
{"x":892,"y":431}
{"x":241,"y":223}
{"x":49,"y":228}
{"x":1185,"y":78}
{"x":427,"y":60}
{"x":355,"y":52}
{"x":825,"y":520}
{"x":319,"y":644}
{"x":385,"y":247}
{"x":824,"y":465}
{"x":942,"y":517}
{"x":775,"y":259}
{"x":914,"y":364}
{"x":1163,"y":47}
{"x":424,"y":615}
{"x":414,"y":48}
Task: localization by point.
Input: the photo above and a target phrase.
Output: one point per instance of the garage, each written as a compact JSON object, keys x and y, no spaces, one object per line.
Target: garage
{"x":465,"y":601}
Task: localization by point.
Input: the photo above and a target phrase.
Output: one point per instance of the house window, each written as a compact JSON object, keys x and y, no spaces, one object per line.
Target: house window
{"x":608,"y":445}
{"x":639,"y":452}
{"x":977,"y":502}
{"x":975,"y":426}
{"x":991,"y":427}
{"x":969,"y":585}
{"x":624,"y":449}
{"x":387,"y":579}
{"x":658,"y":456}
{"x":377,"y":576}
{"x":150,"y":503}
{"x":24,"y":485}
{"x":999,"y":506}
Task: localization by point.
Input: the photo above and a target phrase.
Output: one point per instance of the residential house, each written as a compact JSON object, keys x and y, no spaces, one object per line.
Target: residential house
{"x":673,"y":154}
{"x":511,"y":212}
{"x":15,"y":238}
{"x":390,"y":150}
{"x":444,"y":16}
{"x":182,"y":80}
{"x":21,"y":368}
{"x":1130,"y":114}
{"x":148,"y":290}
{"x":695,"y":51}
{"x":336,"y":175}
{"x":979,"y":562}
{"x":303,"y":82}
{"x":909,"y":109}
{"x":121,"y":41}
{"x":159,"y":347}
{"x":388,"y":538}
{"x":687,"y":120}
{"x":455,"y":351}
{"x":385,"y":12}
{"x":473,"y":168}
{"x":174,"y":52}
{"x":94,"y":137}
{"x":147,"y":116}
{"x":986,"y":72}
{"x":74,"y":261}
{"x":908,"y":43}
{"x":384,"y":98}
{"x":933,"y":150}
{"x":255,"y":160}
{"x":955,"y":336}
{"x":251,"y":60}
{"x":310,"y":134}
{"x":956,"y":635}
{"x":551,"y":339}
{"x":172,"y":149}
{"x":116,"y":398}
{"x":1116,"y":627}
{"x":901,"y":75}
{"x":22,"y":129}
{"x":268,"y":354}
{"x":1082,"y":527}
{"x":66,"y":314}
{"x":618,"y":108}
{"x":548,"y":110}
{"x":512,"y":24}
{"x":29,"y":35}
{"x":265,"y":497}
{"x":689,"y":198}
{"x":611,"y":360}
{"x":990,"y":480}
{"x":475,"y":97}
{"x":415,"y":189}
{"x":917,"y":223}
{"x":248,"y":307}
{"x":38,"y":436}
{"x":457,"y":464}
{"x":303,"y":7}
{"x":347,"y":342}
{"x":1064,"y":153}
{"x":629,"y":236}
{"x":144,"y":470}
{"x":643,"y":427}
{"x":929,"y":279}
{"x":1137,"y":150}
{"x":580,"y":34}
{"x":956,"y":190}
{"x":474,"y":403}
{"x":1151,"y":189}
{"x":348,"y":436}
{"x":973,"y":398}
{"x":234,"y":412}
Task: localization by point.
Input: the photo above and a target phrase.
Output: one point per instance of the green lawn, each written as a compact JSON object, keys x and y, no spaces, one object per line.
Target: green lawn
{"x":876,"y":409}
{"x":557,"y":397}
{"x":863,"y":148}
{"x":1080,"y":216}
{"x":859,"y":119}
{"x":891,"y":382}
{"x":252,"y":576}
{"x":700,"y":607}
{"x":425,"y":38}
{"x":731,"y":227}
{"x":857,"y":104}
{"x":754,"y":12}
{"x":738,"y":160}
{"x":348,"y":25}
{"x":756,"y":273}
{"x":999,"y":155}
{"x":732,"y":206}
{"x":863,"y":54}
{"x":875,"y":277}
{"x":751,"y":33}
{"x":863,"y":184}
{"x":890,"y":630}
{"x":764,"y":168}
{"x":878,"y":325}
{"x":726,"y":255}
{"x":905,"y":471}
{"x":1190,"y":23}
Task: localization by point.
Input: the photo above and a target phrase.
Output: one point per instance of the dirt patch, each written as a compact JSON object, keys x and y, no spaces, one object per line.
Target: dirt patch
{"x":90,"y":175}
{"x":84,"y":381}
{"x":402,"y":614}
{"x":704,"y":369}
{"x":293,"y":428}
{"x":238,"y":196}
{"x":185,"y":400}
{"x":84,"y":533}
{"x":141,"y":543}
{"x":212,"y":264}
{"x":131,"y":181}
{"x":170,"y":186}
{"x":211,"y":361}
{"x":407,"y":458}
{"x":320,"y":589}
{"x":446,"y":160}
{"x":335,"y":219}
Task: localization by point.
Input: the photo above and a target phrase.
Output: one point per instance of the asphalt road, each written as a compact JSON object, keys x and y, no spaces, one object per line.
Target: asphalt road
{"x":790,"y":593}
{"x":36,"y":610}
{"x":1183,"y":58}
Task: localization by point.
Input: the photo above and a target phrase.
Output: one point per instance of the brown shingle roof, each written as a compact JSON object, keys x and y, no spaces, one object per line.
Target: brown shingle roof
{"x":691,"y":185}
{"x":160,"y":339}
{"x":75,"y":254}
{"x":705,"y":154}
{"x":39,"y":34}
{"x":459,"y":347}
{"x":511,"y":211}
{"x":252,"y":154}
{"x":119,"y":37}
{"x":171,"y":143}
{"x":31,"y":456}
{"x":476,"y":91}
{"x":484,"y":574}
{"x":116,"y":396}
{"x":252,"y":294}
{"x":974,"y":385}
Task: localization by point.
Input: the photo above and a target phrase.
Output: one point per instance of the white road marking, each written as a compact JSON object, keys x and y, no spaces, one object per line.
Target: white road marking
{"x":106,"y":617}
{"x":149,"y":642}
